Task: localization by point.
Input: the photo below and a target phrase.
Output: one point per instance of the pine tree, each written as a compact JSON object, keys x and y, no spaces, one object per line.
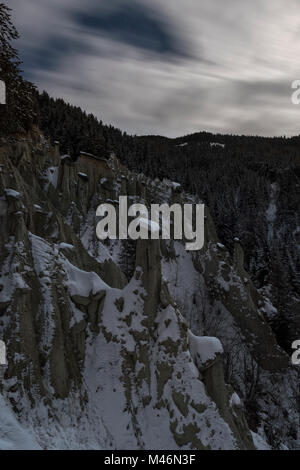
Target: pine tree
{"x":20,"y":110}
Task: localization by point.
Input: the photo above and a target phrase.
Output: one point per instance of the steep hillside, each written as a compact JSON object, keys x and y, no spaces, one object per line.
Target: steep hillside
{"x":126,"y":345}
{"x":251,"y":185}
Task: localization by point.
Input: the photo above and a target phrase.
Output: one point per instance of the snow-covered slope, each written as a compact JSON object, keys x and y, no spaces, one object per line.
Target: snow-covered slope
{"x":126,"y":345}
{"x":12,"y":435}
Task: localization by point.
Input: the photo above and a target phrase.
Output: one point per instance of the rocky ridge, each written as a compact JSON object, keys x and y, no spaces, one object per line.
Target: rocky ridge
{"x":126,"y":345}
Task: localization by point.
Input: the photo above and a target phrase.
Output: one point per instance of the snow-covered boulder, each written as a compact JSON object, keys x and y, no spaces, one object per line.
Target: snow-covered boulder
{"x":204,"y":350}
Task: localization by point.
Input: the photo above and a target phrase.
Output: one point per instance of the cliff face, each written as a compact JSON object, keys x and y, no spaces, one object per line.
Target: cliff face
{"x":114,"y":345}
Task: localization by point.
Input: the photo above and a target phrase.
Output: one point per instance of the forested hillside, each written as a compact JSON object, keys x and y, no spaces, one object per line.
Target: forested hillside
{"x":21,"y":109}
{"x":251,"y":185}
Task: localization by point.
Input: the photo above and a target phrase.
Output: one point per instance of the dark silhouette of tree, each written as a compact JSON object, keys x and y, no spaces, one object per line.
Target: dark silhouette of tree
{"x":20,"y":110}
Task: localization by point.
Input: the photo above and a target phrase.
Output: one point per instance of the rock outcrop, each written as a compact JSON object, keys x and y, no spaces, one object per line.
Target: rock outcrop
{"x":113,"y":344}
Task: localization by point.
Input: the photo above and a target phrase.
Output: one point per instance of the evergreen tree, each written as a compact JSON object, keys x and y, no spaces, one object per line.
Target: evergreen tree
{"x":20,"y":110}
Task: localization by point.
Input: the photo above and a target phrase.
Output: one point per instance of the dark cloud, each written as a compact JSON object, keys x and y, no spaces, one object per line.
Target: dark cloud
{"x":52,"y":51}
{"x":138,"y":25}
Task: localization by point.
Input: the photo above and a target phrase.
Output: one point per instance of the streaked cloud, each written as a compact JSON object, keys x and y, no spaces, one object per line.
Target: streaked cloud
{"x":136,"y":24}
{"x":168,"y":67}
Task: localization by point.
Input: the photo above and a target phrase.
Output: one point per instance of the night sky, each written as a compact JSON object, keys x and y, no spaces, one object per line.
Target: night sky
{"x":167,"y":67}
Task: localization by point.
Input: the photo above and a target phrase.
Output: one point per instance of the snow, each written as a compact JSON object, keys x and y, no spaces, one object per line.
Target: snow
{"x":175,"y":185}
{"x":51,"y":175}
{"x":87,"y":154}
{"x":206,"y":348}
{"x":259,"y":442}
{"x":184,"y":283}
{"x":12,"y":193}
{"x":66,"y":246}
{"x":182,"y":145}
{"x":12,"y":435}
{"x":104,"y":368}
{"x":235,"y":400}
{"x":83,"y":175}
{"x":10,"y":277}
{"x":82,"y":283}
{"x":168,"y":327}
{"x":269,"y":308}
{"x":44,"y":258}
{"x":217,"y":144}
